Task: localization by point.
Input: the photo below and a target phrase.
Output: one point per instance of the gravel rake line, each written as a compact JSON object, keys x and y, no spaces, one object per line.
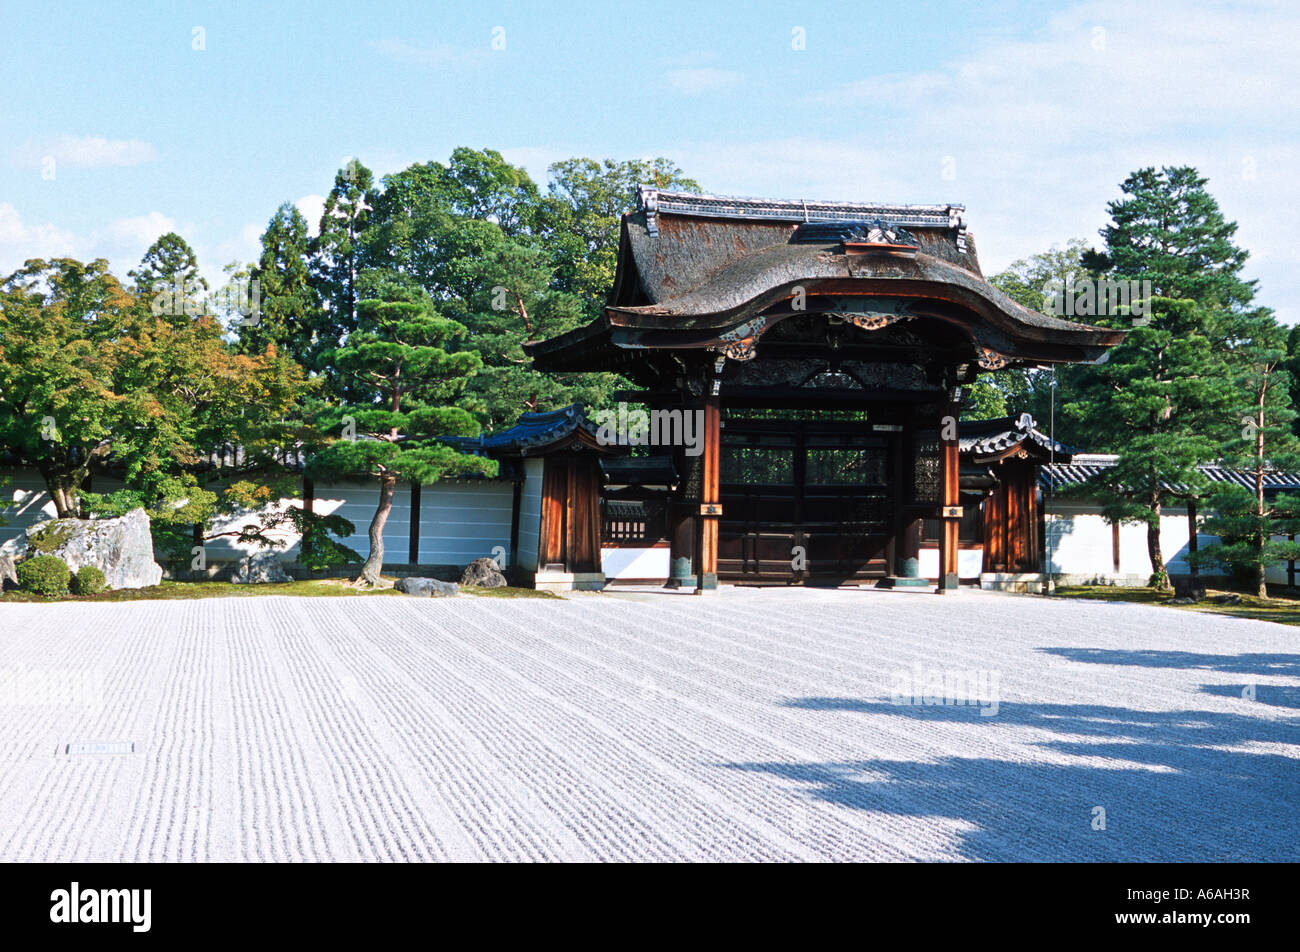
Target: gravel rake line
{"x":643,"y":773}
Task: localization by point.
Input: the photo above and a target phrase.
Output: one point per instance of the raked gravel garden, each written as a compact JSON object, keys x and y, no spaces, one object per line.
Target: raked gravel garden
{"x":756,"y":724}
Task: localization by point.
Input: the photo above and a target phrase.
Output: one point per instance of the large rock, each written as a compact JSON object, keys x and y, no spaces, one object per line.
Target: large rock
{"x":426,"y":587}
{"x":260,"y":569}
{"x":483,"y":573}
{"x":8,"y":573}
{"x":121,"y":548}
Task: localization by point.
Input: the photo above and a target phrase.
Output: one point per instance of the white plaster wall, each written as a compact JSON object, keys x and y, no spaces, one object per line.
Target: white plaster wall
{"x":464,"y":521}
{"x":970,"y":563}
{"x":635,"y":563}
{"x":530,"y":515}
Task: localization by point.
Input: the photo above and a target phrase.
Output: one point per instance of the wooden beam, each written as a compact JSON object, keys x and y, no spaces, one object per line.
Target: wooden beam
{"x":710,"y":497}
{"x":949,"y":472}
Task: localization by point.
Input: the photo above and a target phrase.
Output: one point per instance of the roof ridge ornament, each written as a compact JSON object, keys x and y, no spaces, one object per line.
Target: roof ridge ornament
{"x":653,"y":201}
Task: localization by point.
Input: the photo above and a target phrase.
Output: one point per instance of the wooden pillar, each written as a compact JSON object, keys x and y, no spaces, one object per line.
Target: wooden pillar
{"x":516,"y":504}
{"x":1290,"y":566}
{"x":950,"y":491}
{"x":905,"y":563}
{"x":413,"y":543}
{"x":909,"y":549}
{"x":680,"y":544}
{"x":1192,"y":541}
{"x":308,"y":506}
{"x":710,"y":497}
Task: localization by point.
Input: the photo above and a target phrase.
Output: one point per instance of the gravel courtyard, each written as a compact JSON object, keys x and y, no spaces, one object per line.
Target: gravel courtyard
{"x":754,"y":725}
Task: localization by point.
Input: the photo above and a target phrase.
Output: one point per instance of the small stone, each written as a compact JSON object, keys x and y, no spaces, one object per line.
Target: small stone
{"x":426,"y":587}
{"x":483,"y":573}
{"x":1227,"y":599}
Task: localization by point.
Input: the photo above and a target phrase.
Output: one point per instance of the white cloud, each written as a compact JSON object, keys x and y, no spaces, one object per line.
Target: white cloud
{"x":122,"y":242}
{"x":439,"y":54}
{"x":312,"y":208}
{"x":20,"y":241}
{"x":140,"y":230}
{"x":708,"y":79}
{"x":1034,"y":135}
{"x":84,"y":152}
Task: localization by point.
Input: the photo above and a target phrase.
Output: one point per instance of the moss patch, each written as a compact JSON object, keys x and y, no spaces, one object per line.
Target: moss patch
{"x":1284,"y":611}
{"x":50,"y":536}
{"x":182,"y":590}
{"x":505,"y":591}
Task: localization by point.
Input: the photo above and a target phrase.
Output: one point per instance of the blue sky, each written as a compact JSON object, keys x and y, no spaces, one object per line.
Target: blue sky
{"x":1030,"y":114}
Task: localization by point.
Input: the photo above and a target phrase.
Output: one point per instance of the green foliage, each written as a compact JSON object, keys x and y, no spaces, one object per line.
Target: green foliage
{"x":1258,"y":441}
{"x":292,"y":320}
{"x":88,"y":581}
{"x":87,"y":371}
{"x":170,"y":268}
{"x":580,"y":219}
{"x":318,"y":551}
{"x":1030,"y":282}
{"x":46,"y":575}
{"x":1155,"y":403}
{"x":336,"y":251}
{"x":1247,"y":537}
{"x":408,"y":385}
{"x":1169,"y":230}
{"x":1161,"y":399}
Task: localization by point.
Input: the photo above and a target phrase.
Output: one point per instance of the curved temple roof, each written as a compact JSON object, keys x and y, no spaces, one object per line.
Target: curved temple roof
{"x":702,"y":271}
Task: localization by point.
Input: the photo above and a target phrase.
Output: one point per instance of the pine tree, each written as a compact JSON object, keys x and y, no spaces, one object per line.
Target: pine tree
{"x":1245,"y":519}
{"x":408,"y":385}
{"x":1155,"y":402}
{"x":1160,"y":396}
{"x":168,"y":278}
{"x":337,"y":250}
{"x":291,"y":318}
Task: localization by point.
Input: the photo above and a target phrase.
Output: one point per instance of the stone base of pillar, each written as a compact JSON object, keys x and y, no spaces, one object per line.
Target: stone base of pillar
{"x":707,"y":585}
{"x":681,"y":574}
{"x":903,"y":581}
{"x":949,"y":583}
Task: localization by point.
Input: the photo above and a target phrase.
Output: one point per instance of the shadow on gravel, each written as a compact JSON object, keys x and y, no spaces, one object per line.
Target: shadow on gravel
{"x":1283,"y":664}
{"x":1167,"y":794}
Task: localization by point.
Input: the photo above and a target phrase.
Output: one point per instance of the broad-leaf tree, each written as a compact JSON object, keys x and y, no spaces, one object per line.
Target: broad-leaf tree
{"x":89,"y":374}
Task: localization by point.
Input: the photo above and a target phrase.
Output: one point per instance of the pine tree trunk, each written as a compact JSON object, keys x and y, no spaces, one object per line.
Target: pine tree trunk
{"x":1159,"y":574}
{"x":375,"y":560}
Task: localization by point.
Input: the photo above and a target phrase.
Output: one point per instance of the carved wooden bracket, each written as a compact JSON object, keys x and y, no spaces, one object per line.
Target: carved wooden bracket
{"x":873,"y":322}
{"x":990,"y":359}
{"x":741,"y":350}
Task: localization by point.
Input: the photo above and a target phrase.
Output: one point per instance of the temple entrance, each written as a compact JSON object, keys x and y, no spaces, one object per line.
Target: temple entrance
{"x":806,"y":501}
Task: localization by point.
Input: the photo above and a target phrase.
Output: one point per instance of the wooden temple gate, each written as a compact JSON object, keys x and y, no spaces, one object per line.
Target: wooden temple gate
{"x":823,"y":348}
